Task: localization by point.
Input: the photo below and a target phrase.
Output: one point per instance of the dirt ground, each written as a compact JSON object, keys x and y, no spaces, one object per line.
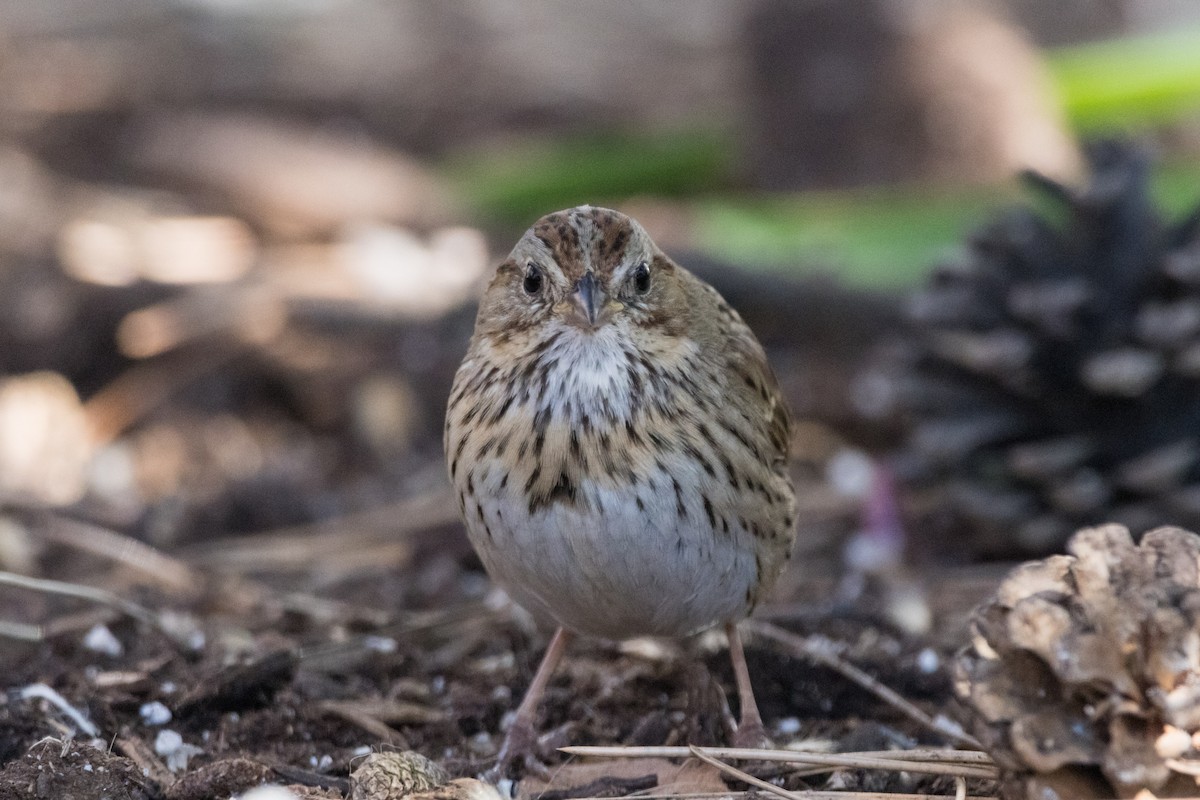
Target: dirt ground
{"x":291,"y":658}
{"x":229,"y":555}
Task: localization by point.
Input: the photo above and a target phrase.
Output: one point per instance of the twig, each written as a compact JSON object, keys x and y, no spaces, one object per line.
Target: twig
{"x":336,"y":538}
{"x":607,"y":787}
{"x":91,"y":593}
{"x":390,"y":712}
{"x":373,"y":725}
{"x":808,"y":794}
{"x":1184,"y":765}
{"x":325,"y":609}
{"x":971,"y":757}
{"x":680,"y":796}
{"x":21,"y":631}
{"x":99,"y":540}
{"x":822,"y":651}
{"x":928,"y":756}
{"x":745,"y":777}
{"x":832,"y":760}
{"x":42,"y":691}
{"x":147,"y":760}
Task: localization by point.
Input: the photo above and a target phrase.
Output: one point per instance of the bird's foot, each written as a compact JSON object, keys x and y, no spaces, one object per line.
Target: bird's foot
{"x":520,"y":746}
{"x":751,"y":735}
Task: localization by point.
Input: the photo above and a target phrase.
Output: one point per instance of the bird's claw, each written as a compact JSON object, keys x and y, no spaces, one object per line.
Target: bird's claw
{"x":520,"y":745}
{"x":752,"y":736}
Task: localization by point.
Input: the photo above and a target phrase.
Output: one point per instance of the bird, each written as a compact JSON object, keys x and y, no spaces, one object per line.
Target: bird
{"x":618,"y":445}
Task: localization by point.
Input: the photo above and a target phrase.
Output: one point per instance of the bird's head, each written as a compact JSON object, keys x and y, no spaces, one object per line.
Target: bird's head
{"x":584,"y":270}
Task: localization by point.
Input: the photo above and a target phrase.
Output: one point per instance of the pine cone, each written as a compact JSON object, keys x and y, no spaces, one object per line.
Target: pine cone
{"x":1050,"y":377}
{"x":1085,"y":668}
{"x":383,"y":776}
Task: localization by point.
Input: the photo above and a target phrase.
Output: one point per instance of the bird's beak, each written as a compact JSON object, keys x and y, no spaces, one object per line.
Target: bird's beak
{"x":587,"y":297}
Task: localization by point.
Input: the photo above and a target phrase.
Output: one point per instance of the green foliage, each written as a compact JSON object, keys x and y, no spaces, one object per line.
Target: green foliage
{"x":1130,"y":83}
{"x":880,"y":238}
{"x":519,"y":183}
{"x":877,"y":238}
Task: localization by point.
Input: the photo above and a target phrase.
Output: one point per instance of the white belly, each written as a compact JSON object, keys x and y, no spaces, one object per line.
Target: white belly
{"x":605,"y":567}
{"x":651,"y":534}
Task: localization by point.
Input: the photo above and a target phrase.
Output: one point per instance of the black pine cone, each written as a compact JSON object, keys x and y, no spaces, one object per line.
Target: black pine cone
{"x":1050,"y":377}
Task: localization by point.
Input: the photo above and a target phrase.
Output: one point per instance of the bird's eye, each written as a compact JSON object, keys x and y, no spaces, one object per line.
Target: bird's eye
{"x":641,"y":278}
{"x":533,"y":279}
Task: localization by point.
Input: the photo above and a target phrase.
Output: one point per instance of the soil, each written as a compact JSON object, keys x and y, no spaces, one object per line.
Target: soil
{"x":270,"y":681}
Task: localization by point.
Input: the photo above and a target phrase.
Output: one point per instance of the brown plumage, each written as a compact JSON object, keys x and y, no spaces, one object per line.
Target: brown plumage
{"x":618,"y":443}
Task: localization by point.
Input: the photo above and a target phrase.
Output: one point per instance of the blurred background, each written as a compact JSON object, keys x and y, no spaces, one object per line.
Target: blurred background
{"x":241,"y":243}
{"x":240,"y":240}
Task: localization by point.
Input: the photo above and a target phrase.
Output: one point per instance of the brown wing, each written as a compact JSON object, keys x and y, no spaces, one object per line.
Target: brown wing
{"x":763,"y":422}
{"x":752,"y":383}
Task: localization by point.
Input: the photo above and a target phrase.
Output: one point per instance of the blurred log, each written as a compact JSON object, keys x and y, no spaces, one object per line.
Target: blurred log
{"x":247,"y":314}
{"x":29,"y":204}
{"x":72,"y":57}
{"x":44,"y":443}
{"x":141,"y":389}
{"x":426,"y":74}
{"x":298,"y":181}
{"x":48,"y":321}
{"x":856,"y":94}
{"x":1072,"y":21}
{"x":118,"y":236}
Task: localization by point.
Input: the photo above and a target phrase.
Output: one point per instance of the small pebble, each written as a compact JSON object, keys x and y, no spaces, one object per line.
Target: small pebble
{"x":174,"y":750}
{"x":268,"y":793}
{"x":928,"y":661}
{"x":850,"y":472}
{"x":380,"y":644}
{"x":101,"y":640}
{"x":154,"y":713}
{"x":184,"y":628}
{"x":167,"y":742}
{"x":481,"y":744}
{"x":474,"y":585}
{"x":645,"y":648}
{"x":788,"y":726}
{"x":1173,"y":743}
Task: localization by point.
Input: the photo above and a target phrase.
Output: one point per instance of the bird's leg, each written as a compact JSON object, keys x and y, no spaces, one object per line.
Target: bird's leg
{"x":520,"y":743}
{"x":750,"y":731}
